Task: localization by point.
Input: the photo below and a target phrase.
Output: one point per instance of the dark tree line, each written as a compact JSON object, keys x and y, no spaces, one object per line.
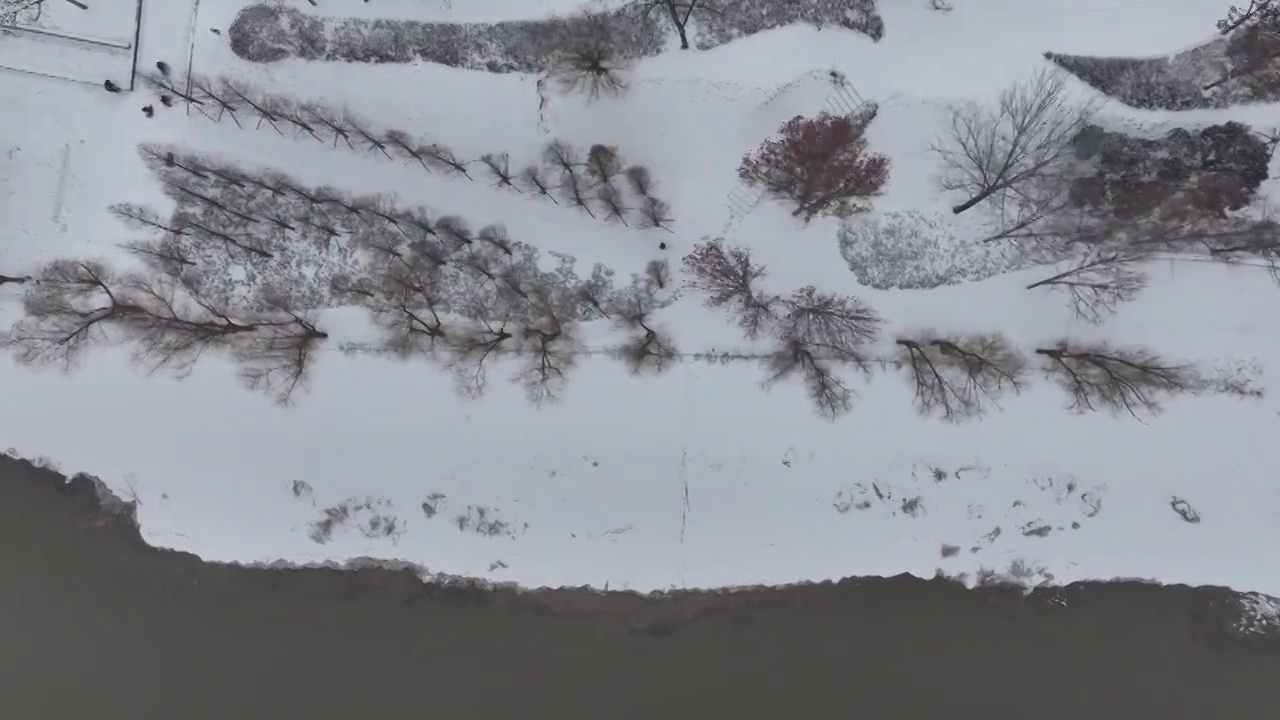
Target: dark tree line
{"x":952,"y":377}
{"x":597,"y":181}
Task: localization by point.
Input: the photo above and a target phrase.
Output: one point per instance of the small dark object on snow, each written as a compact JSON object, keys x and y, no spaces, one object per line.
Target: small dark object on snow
{"x":166,"y":100}
{"x":215,"y":31}
{"x":163,"y":67}
{"x":662,"y":246}
{"x":149,"y":111}
{"x":111,"y":87}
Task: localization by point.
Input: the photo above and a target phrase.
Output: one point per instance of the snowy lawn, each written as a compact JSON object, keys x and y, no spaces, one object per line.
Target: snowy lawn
{"x":70,"y":40}
{"x":696,"y":477}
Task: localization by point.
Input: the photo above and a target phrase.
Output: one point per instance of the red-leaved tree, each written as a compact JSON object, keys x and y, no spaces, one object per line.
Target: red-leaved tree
{"x":821,"y":164}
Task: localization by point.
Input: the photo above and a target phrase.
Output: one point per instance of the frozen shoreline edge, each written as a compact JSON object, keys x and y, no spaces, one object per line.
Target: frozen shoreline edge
{"x":1246,"y":620}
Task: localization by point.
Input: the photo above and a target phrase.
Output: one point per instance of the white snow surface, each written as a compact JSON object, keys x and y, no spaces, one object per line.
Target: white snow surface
{"x":696,"y":478}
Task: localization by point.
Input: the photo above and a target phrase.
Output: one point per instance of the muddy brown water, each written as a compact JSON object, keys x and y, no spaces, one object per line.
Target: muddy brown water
{"x":95,"y":624}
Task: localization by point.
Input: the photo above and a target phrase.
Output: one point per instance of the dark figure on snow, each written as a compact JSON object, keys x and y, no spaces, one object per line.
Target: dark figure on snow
{"x":166,"y":100}
{"x":111,"y":87}
{"x":163,"y":67}
{"x":149,"y":111}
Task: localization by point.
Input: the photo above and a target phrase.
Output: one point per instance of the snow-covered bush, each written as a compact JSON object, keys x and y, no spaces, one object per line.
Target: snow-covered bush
{"x":1242,"y":67}
{"x":1147,"y":83}
{"x":741,"y":18}
{"x":1183,"y":174}
{"x":268,"y":33}
{"x":910,"y":250}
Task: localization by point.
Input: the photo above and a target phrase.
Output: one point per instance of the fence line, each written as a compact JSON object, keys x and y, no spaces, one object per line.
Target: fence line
{"x":74,"y":37}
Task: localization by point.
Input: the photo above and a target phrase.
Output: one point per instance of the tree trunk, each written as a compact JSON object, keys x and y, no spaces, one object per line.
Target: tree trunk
{"x":968,"y":204}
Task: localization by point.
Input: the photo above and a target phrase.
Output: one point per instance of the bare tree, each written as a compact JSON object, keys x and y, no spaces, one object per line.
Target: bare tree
{"x":680,"y":11}
{"x":168,"y":254}
{"x":229,"y":96}
{"x":407,"y":301}
{"x":835,"y":325}
{"x":333,"y":122}
{"x":603,"y":164}
{"x":640,"y":180}
{"x":615,"y":208}
{"x":367,"y":139}
{"x":234,"y":240}
{"x":1099,"y":283}
{"x":1252,"y":239}
{"x":442,"y":158}
{"x":574,"y":190}
{"x":728,"y":277}
{"x":454,"y":231}
{"x":550,"y":354}
{"x":500,"y":166}
{"x":655,"y":213}
{"x":1257,"y":12}
{"x":473,"y":348}
{"x":167,"y":321}
{"x":992,"y":153}
{"x":956,"y":378}
{"x":537,"y":183}
{"x":647,"y":348}
{"x":658,"y":274}
{"x":829,"y":394}
{"x":278,"y":357}
{"x":177,"y":323}
{"x":68,"y":310}
{"x":1133,"y":382}
{"x":589,"y":63}
{"x":562,"y":156}
{"x":496,"y":237}
{"x":144,"y":218}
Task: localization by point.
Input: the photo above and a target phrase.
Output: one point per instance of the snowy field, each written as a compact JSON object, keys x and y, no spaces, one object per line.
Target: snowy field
{"x":62,"y":40}
{"x":693,"y":478}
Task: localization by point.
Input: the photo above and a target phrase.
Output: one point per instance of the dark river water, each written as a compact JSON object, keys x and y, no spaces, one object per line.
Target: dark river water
{"x":94,"y":624}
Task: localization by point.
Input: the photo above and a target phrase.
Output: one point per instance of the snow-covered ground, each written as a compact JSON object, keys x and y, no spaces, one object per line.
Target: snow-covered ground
{"x":62,"y":40}
{"x":696,"y":478}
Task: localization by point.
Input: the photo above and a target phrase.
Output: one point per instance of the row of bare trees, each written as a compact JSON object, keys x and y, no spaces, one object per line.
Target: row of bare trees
{"x":168,"y":322}
{"x":215,"y":270}
{"x":1018,"y":159}
{"x":246,"y":263}
{"x":514,"y":311}
{"x":590,"y":181}
{"x":953,"y":377}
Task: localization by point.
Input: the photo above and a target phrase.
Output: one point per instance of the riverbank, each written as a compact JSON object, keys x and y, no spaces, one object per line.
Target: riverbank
{"x":97,"y":623}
